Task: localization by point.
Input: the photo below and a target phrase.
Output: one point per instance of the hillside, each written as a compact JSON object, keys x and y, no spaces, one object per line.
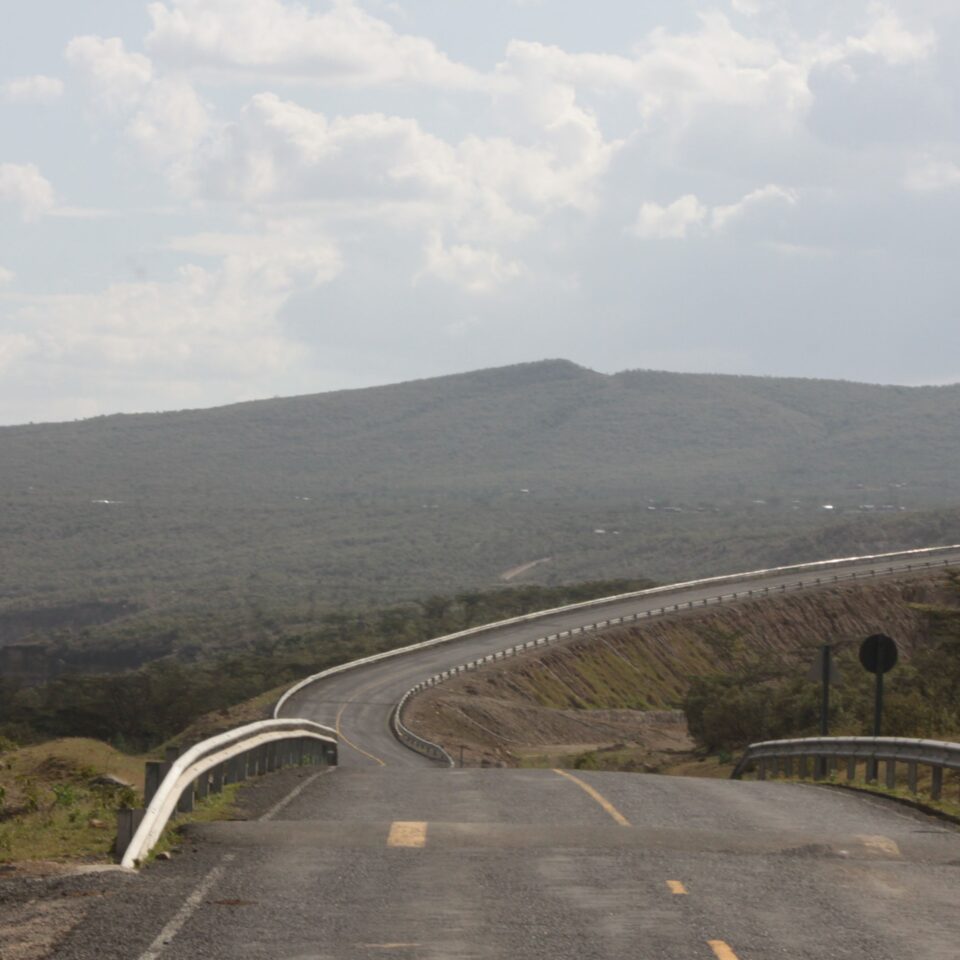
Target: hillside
{"x":244,"y":516}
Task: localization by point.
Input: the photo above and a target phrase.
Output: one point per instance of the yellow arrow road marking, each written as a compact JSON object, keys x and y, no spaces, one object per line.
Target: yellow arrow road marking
{"x":407,"y":833}
{"x":602,"y":800}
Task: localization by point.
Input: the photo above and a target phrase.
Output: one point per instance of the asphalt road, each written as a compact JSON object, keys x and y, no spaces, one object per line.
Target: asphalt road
{"x":391,"y":856}
{"x":359,"y":703}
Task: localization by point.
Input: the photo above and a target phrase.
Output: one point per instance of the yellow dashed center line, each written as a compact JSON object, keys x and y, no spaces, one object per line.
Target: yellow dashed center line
{"x":347,"y":740}
{"x":596,"y":795}
{"x":677,"y":887}
{"x":407,"y":833}
{"x":722,"y":950}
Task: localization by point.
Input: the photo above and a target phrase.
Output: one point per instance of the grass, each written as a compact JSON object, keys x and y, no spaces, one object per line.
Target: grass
{"x":948,"y":804}
{"x":51,"y":812}
{"x":49,"y":809}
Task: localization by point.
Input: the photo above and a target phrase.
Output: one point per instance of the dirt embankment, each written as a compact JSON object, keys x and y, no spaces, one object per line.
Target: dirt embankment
{"x":620,"y":690}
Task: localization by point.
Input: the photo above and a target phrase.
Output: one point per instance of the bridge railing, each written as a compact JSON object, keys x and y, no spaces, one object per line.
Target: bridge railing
{"x":173,"y":785}
{"x":792,"y":758}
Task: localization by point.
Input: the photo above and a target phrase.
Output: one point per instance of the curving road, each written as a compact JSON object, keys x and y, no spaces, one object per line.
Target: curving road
{"x":359,"y":703}
{"x":391,"y":856}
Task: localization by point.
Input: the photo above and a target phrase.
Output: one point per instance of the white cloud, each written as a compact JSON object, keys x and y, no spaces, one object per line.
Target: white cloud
{"x":723,"y":215}
{"x":342,"y":45}
{"x":119,"y":79}
{"x":476,"y":271}
{"x":26,"y":189}
{"x":162,"y":115}
{"x":218,"y":323}
{"x":37,"y":89}
{"x":889,"y":39}
{"x":488,"y":188}
{"x":6,"y":277}
{"x":929,"y":174}
{"x":672,"y":222}
{"x":688,"y":214}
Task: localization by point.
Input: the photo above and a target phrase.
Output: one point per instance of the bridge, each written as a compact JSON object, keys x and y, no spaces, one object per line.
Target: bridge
{"x":392,"y":854}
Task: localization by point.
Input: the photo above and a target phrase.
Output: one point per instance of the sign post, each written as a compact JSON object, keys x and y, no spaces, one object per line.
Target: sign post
{"x":878,"y":654}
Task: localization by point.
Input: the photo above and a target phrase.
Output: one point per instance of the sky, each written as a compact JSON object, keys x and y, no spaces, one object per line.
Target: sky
{"x":208,"y":201}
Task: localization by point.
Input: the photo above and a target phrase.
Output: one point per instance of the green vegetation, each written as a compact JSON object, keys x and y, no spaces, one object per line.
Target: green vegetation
{"x":53,"y":808}
{"x":139,"y":709}
{"x":129,"y":538}
{"x":763,"y":698}
{"x":50,"y":809}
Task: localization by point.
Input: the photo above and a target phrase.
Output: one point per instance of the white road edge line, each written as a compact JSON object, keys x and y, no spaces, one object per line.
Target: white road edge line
{"x":277,"y":807}
{"x":170,"y":931}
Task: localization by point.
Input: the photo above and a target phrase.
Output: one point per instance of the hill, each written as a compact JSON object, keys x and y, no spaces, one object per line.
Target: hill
{"x":116,"y":531}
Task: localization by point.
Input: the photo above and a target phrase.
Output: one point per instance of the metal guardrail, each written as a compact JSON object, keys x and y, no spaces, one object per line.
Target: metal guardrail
{"x":257,"y":748}
{"x":416,"y":743}
{"x":427,"y":748}
{"x":824,"y":565}
{"x":790,"y":758}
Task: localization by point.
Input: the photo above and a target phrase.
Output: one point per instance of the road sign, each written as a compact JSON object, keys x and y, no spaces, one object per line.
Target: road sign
{"x":878,"y":653}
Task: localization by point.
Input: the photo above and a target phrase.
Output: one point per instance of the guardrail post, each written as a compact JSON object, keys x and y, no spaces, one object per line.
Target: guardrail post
{"x":127,"y":823}
{"x":216,"y":778}
{"x":912,"y":776}
{"x":185,"y":803}
{"x":152,"y":778}
{"x":802,"y":767}
{"x":788,"y":767}
{"x":851,"y":768}
{"x":873,"y":769}
{"x":891,"y":774}
{"x":936,"y":783}
{"x":762,"y":769}
{"x":203,"y":785}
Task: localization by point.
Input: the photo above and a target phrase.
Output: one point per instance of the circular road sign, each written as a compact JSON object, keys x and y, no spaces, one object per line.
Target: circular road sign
{"x":878,"y":653}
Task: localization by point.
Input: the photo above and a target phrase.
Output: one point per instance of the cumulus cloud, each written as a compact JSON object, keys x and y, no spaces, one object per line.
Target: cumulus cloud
{"x":476,"y":271}
{"x":24,"y":188}
{"x":722,"y":216}
{"x":343,"y":44}
{"x":489,"y":188}
{"x":672,"y":222}
{"x":163,"y":116}
{"x":119,"y":79}
{"x":687,"y":215}
{"x":37,"y":89}
{"x":218,"y":322}
{"x":891,"y":40}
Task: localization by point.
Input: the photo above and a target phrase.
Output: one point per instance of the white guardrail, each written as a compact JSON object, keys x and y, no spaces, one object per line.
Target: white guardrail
{"x":226,"y":758}
{"x":436,"y":752}
{"x":789,"y":758}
